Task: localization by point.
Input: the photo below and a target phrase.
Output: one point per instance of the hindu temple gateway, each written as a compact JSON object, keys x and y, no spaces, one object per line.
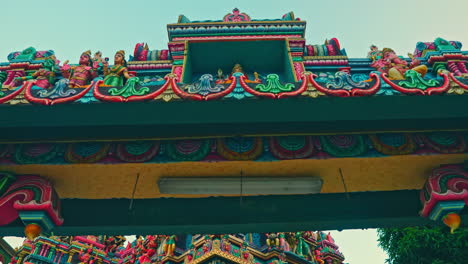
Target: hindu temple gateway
{"x":299,"y":247}
{"x":239,"y":127}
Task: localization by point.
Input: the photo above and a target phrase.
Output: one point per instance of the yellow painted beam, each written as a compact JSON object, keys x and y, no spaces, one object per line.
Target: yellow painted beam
{"x":100,"y":181}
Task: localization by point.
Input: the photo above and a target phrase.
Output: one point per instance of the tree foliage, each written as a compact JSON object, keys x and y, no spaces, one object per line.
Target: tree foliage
{"x":424,"y":245}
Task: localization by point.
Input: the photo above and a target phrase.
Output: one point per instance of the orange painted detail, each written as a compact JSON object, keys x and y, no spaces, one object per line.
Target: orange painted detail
{"x":453,"y":221}
{"x":32,"y":231}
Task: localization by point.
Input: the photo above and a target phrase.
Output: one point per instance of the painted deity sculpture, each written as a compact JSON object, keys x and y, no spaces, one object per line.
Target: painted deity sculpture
{"x":97,"y":59}
{"x":169,"y":246}
{"x":45,"y":77}
{"x":116,"y":75}
{"x":374,"y":53}
{"x":81,"y":75}
{"x":393,"y":65}
{"x":284,"y":245}
{"x":273,"y":240}
{"x":237,"y":68}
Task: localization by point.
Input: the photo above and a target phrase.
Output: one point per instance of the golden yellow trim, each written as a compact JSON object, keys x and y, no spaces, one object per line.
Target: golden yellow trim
{"x":290,"y":59}
{"x":185,"y":60}
{"x":233,"y":135}
{"x":91,"y":181}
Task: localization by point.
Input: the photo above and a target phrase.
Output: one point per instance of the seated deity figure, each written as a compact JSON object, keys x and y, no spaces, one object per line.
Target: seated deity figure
{"x":45,"y":77}
{"x":117,"y":74}
{"x":238,"y":68}
{"x":81,"y":75}
{"x":395,"y":66}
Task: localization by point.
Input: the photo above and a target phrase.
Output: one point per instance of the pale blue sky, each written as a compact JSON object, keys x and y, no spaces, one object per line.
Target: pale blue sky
{"x":114,"y":25}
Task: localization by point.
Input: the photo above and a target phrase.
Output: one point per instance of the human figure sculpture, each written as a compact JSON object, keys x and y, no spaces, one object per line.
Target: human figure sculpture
{"x":169,"y":247}
{"x":117,"y":74}
{"x":207,"y":245}
{"x":284,"y":245}
{"x":226,"y":245}
{"x":246,"y":255}
{"x":395,"y":66}
{"x":374,"y":53}
{"x":81,"y":75}
{"x":97,"y":59}
{"x":45,"y":77}
{"x":238,"y":68}
{"x":318,"y":255}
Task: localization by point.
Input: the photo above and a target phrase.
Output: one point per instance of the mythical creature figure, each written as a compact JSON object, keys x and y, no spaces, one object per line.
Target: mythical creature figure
{"x":395,"y":66}
{"x":273,"y":240}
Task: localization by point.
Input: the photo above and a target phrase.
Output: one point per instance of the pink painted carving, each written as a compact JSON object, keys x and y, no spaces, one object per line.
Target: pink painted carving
{"x":178,"y":72}
{"x":298,"y":69}
{"x":447,"y":183}
{"x":29,"y":193}
{"x":236,"y":16}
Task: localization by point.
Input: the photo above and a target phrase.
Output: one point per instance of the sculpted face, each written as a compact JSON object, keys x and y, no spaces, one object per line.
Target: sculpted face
{"x":390,"y":55}
{"x":84,"y":59}
{"x":118,"y":58}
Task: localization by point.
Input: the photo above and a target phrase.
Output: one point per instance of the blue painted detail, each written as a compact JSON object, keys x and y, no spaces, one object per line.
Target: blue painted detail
{"x":240,"y":144}
{"x":188,"y":241}
{"x":37,"y":217}
{"x":238,"y":92}
{"x":89,"y":96}
{"x":443,"y":208}
{"x":343,"y":80}
{"x":204,"y":86}
{"x":256,"y":239}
